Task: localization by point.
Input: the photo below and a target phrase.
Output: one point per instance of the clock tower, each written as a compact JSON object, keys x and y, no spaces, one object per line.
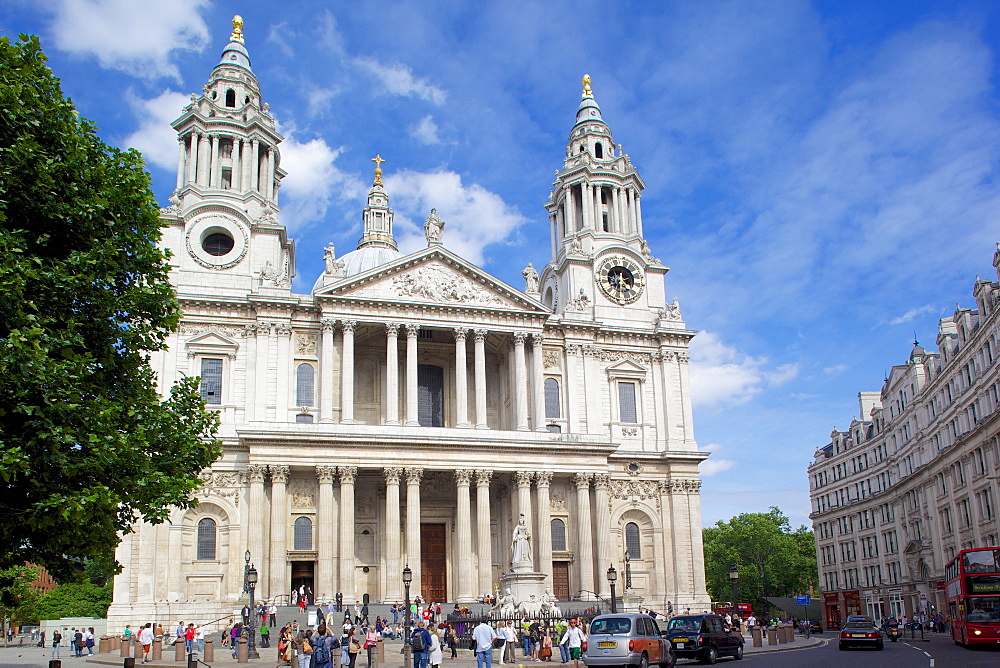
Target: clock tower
{"x":600,"y":261}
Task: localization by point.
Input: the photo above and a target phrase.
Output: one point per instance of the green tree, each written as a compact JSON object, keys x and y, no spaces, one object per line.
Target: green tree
{"x":771,"y":557}
{"x":75,"y":599}
{"x":87,"y":444}
{"x":17,"y":599}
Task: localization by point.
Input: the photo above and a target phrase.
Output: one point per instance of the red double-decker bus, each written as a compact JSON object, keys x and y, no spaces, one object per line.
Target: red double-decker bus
{"x":973,"y":592}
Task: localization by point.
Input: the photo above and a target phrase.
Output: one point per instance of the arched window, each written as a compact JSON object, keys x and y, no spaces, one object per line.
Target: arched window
{"x":206,"y":539}
{"x":598,"y":150}
{"x":230,"y":98}
{"x":304,"y":383}
{"x":558,"y":535}
{"x":552,"y":398}
{"x":632,"y":543}
{"x":303,"y":539}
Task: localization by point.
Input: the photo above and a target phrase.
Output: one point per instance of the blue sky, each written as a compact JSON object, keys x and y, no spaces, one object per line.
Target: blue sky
{"x":820,"y":176}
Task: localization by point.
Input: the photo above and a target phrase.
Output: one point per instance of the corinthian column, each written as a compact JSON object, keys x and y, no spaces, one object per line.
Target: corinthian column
{"x":392,"y":377}
{"x":461,"y":382}
{"x":480,"y":363}
{"x":484,"y":549}
{"x":413,"y":477}
{"x":603,"y":521}
{"x":544,"y":534}
{"x":538,"y":380}
{"x":279,"y":530}
{"x":412,"y":419}
{"x":216,"y":140}
{"x":326,"y":371}
{"x":347,"y":374}
{"x":520,"y":386}
{"x":325,"y":545}
{"x":392,"y":547}
{"x":585,"y":534}
{"x":181,"y":150}
{"x":463,"y":537}
{"x":255,"y":512}
{"x":348,"y":474}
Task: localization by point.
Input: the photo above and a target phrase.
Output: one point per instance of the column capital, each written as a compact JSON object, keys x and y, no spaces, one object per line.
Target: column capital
{"x":256,"y":472}
{"x":461,"y":333}
{"x":283,"y":329}
{"x":348,"y":325}
{"x":328,"y":324}
{"x":414,"y":476}
{"x":348,"y":474}
{"x":326,"y":474}
{"x":519,"y":338}
{"x":483,"y":477}
{"x":537,"y":339}
{"x":602,"y":480}
{"x":480,"y":334}
{"x":392,"y":474}
{"x":543,"y":478}
{"x":263,"y":328}
{"x":582,"y":480}
{"x":412,"y":329}
{"x":279,"y":474}
{"x":523,"y":478}
{"x":392,"y":329}
{"x":462,"y":477}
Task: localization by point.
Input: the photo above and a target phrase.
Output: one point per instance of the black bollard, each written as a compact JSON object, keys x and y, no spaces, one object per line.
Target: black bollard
{"x":128,"y":662}
{"x":55,"y":663}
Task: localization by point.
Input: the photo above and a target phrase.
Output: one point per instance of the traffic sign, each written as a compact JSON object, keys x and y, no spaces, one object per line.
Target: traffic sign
{"x":802,"y":600}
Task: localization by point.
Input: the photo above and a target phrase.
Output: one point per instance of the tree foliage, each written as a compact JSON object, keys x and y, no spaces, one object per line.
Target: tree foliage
{"x":770,"y":556}
{"x":17,"y":598}
{"x":75,"y":599}
{"x":87,"y":444}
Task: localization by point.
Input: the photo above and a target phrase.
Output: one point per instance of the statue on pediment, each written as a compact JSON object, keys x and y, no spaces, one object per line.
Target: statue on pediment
{"x":530,"y":278}
{"x":433,"y":228}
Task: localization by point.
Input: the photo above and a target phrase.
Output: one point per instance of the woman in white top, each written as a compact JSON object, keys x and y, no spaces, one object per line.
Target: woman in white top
{"x":436,"y":656}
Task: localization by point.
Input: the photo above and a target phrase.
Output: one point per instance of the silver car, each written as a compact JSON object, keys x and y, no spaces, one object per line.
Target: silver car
{"x":626,"y":639}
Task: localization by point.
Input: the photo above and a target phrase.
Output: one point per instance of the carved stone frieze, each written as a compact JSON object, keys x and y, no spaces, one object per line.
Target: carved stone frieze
{"x":193,"y":329}
{"x":557,"y":502}
{"x":437,"y":284}
{"x":636,"y":489}
{"x":550,"y":358}
{"x":223,"y":484}
{"x":305,"y":344}
{"x":303,"y":493}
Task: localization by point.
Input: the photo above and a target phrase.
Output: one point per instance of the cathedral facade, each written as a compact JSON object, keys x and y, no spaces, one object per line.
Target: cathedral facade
{"x":411,"y":408}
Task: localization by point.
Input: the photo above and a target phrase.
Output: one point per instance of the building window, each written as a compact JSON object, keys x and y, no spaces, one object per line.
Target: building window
{"x":305,"y":418}
{"x":211,"y":380}
{"x":304,"y":385}
{"x":430,"y":395}
{"x":632,"y":543}
{"x":303,"y":538}
{"x":206,"y":539}
{"x":558,"y":535}
{"x":626,"y":403}
{"x":230,"y":98}
{"x":552,"y":398}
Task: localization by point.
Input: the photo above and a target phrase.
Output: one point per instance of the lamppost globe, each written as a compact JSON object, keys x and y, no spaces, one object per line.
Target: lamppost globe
{"x":612,"y":579}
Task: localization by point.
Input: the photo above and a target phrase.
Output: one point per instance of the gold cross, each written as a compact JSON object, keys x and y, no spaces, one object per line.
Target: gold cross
{"x":378,"y":160}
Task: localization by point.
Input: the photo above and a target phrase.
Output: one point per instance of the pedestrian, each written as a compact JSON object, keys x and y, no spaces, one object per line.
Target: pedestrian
{"x":371,"y":642}
{"x":88,"y":640}
{"x":265,"y":635}
{"x":146,"y":640}
{"x":189,"y":638}
{"x":56,"y":643}
{"x":245,"y":614}
{"x":420,"y":645}
{"x":320,"y":617}
{"x":199,"y":639}
{"x":545,"y":653}
{"x":273,"y":612}
{"x":78,"y":642}
{"x":323,"y":646}
{"x":574,"y":639}
{"x":364,"y":613}
{"x":225,"y":635}
{"x":340,"y":601}
{"x":434,"y":653}
{"x":483,"y":636}
{"x":234,"y":636}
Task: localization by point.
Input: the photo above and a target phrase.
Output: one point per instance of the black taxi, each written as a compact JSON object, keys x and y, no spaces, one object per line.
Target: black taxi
{"x":705,"y":637}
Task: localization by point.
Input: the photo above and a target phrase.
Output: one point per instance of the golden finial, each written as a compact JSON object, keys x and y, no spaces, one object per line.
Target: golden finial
{"x":378,"y":160}
{"x":237,"y":35}
{"x":586,"y":86}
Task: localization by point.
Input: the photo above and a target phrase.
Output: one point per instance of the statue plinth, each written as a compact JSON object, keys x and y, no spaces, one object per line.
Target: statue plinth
{"x":524,"y":583}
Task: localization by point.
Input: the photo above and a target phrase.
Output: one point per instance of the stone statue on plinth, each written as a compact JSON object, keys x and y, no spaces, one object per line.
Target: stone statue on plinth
{"x":520,"y":549}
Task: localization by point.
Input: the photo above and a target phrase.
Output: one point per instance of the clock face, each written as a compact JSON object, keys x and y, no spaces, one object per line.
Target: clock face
{"x":620,"y":279}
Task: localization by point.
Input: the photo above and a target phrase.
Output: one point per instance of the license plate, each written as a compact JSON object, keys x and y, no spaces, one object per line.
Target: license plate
{"x":607,"y":643}
{"x":682,"y":640}
{"x":857,"y":635}
{"x":680,"y":645}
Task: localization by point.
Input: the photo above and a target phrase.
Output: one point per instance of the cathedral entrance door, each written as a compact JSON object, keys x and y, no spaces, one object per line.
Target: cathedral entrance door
{"x":433,"y":564}
{"x":560,"y":580}
{"x":302,"y":576}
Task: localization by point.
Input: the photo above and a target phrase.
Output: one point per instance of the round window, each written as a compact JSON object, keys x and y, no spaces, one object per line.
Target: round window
{"x":217,"y":244}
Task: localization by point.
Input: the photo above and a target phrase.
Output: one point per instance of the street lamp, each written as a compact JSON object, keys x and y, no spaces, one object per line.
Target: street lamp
{"x":252,"y":585}
{"x":612,"y":578}
{"x":734,"y":578}
{"x":628,"y":571}
{"x":407,"y":650}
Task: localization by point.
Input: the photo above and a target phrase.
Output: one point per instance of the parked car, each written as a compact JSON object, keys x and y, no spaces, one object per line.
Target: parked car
{"x":860,"y":632}
{"x":626,"y":639}
{"x":704,"y":637}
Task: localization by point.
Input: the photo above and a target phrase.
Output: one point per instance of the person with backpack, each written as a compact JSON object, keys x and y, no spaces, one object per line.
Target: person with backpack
{"x":420,"y":645}
{"x":323,"y":645}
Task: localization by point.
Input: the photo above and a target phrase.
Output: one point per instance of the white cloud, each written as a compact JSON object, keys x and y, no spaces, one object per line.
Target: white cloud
{"x":474,"y":216}
{"x":426,"y":131}
{"x":134,"y":37}
{"x":155,"y":138}
{"x":722,"y":375}
{"x":313,"y":181}
{"x":398,"y":79}
{"x":711,"y":466}
{"x":835,"y":369}
{"x":912,"y":314}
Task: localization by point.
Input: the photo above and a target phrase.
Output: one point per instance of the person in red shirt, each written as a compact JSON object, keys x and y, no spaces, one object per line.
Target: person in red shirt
{"x":189,"y":638}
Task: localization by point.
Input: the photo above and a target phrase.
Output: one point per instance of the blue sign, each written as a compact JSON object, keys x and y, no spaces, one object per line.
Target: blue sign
{"x":802,"y":600}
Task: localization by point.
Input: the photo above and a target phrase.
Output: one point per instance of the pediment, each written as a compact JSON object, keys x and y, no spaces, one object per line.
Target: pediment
{"x":433,"y":276}
{"x":627,"y":369}
{"x":914,"y":547}
{"x":211,"y":342}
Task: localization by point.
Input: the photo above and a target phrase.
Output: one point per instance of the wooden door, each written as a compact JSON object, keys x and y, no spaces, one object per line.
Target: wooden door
{"x":433,"y":564}
{"x":560,"y":580}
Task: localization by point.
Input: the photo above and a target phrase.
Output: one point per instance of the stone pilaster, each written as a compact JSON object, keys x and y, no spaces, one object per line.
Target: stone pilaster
{"x":325,"y":542}
{"x":603,"y":521}
{"x":480,"y":373}
{"x":544,"y":532}
{"x":279,"y":582}
{"x":484,"y":547}
{"x":520,"y":383}
{"x":585,"y":535}
{"x":413,"y":477}
{"x":463,"y":537}
{"x":393,"y":568}
{"x":348,"y":475}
